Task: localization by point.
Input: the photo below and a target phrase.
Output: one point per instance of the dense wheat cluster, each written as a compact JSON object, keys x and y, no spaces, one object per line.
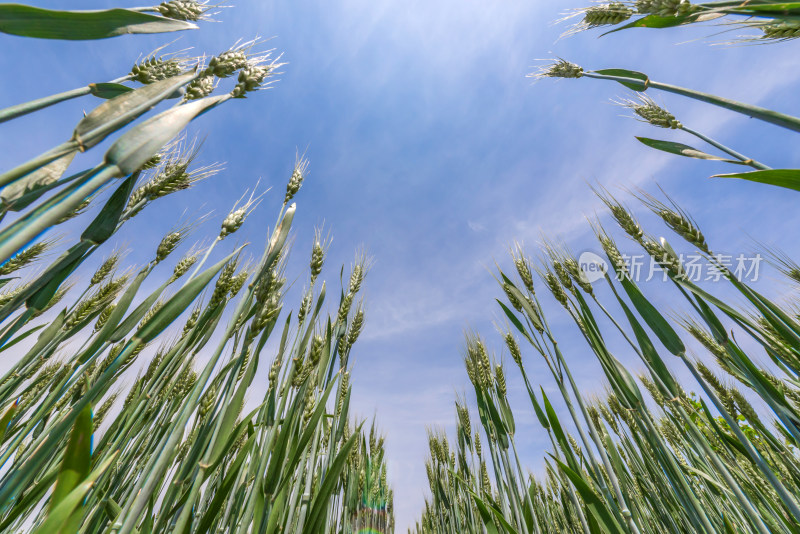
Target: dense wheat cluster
{"x":138,"y":411}
{"x":648,"y":456}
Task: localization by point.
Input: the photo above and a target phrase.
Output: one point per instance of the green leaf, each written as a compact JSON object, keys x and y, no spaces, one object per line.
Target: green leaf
{"x":50,"y":212}
{"x":59,"y":516}
{"x":631,"y":74}
{"x":616,"y":460}
{"x":779,"y":8}
{"x":729,"y":528}
{"x":516,"y":322}
{"x":21,"y":337}
{"x":708,"y":479}
{"x":319,"y":506}
{"x":555,"y":425}
{"x":99,"y":230}
{"x":509,"y":528}
{"x":788,"y":178}
{"x":123,"y":109}
{"x":108,"y":90}
{"x":147,"y":525}
{"x":655,"y":21}
{"x":49,"y":333}
{"x":112,"y":509}
{"x":632,"y":392}
{"x":299,"y":447}
{"x":29,"y":21}
{"x":596,"y":507}
{"x":277,"y":457}
{"x":538,"y":409}
{"x":56,"y":273}
{"x":527,"y":307}
{"x":77,"y":460}
{"x":682,"y":150}
{"x":486,"y":516}
{"x":30,"y":497}
{"x":649,"y":352}
{"x":130,"y":322}
{"x":136,"y":146}
{"x":229,"y":415}
{"x":662,"y":329}
{"x":508,"y":415}
{"x":223,"y":492}
{"x":497,"y":421}
{"x":231,"y":438}
{"x":275,"y":516}
{"x":105,"y":224}
{"x":5,"y":420}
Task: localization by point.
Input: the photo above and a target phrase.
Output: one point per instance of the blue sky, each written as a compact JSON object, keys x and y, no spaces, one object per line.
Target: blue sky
{"x":431,"y":150}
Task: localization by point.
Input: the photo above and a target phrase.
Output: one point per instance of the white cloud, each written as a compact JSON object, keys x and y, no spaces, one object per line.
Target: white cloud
{"x":476,"y":226}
